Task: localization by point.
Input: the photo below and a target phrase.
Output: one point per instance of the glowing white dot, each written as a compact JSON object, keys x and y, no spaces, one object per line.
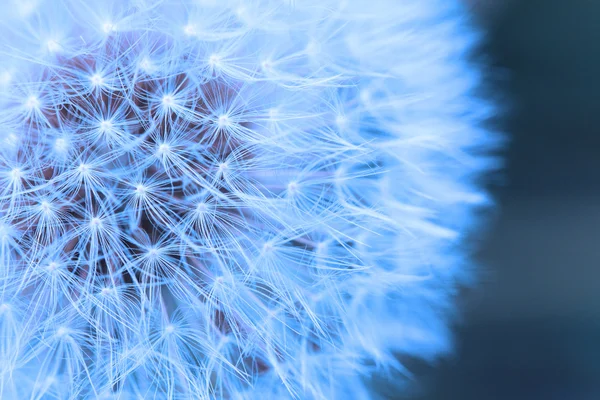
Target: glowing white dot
{"x":293,"y":187}
{"x":153,"y":252}
{"x":169,"y":329}
{"x":53,"y":46}
{"x":224,"y":121}
{"x":45,"y":206}
{"x":189,"y":30}
{"x":214,"y":60}
{"x":168,"y":100}
{"x":16,"y":173}
{"x":164,"y":148}
{"x":62,"y":331}
{"x":146,"y":64}
{"x":60,"y":144}
{"x":96,"y":221}
{"x":106,"y":125}
{"x":273,"y":113}
{"x":140,"y":189}
{"x":268,"y":247}
{"x":83,"y":168}
{"x":267,"y":65}
{"x":32,"y":102}
{"x":106,"y":291}
{"x":201,"y":208}
{"x":341,"y":121}
{"x":109,"y":27}
{"x":223,"y":167}
{"x":97,"y":80}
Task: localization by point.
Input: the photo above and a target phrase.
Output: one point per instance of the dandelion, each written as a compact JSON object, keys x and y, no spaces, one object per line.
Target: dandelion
{"x":232,"y":199}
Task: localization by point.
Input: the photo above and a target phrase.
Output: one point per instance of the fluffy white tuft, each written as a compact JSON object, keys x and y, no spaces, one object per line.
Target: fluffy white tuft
{"x":256,"y":199}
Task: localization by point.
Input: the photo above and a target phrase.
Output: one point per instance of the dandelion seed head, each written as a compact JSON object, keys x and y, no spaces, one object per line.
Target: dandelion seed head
{"x":205,"y":199}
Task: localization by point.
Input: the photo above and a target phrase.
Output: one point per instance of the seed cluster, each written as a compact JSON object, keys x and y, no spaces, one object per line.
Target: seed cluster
{"x":204,"y":199}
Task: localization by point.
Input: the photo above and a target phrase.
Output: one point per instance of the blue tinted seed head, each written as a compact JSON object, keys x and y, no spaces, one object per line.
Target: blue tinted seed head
{"x":224,"y":199}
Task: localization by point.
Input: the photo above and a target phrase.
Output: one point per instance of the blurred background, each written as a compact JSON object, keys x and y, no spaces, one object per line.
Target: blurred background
{"x":531,"y":330}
